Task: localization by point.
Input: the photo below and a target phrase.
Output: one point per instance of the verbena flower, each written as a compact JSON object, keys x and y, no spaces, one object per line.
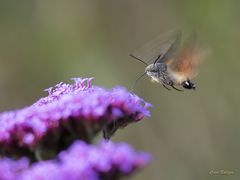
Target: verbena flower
{"x":69,"y":112}
{"x":10,"y":169}
{"x":81,"y":161}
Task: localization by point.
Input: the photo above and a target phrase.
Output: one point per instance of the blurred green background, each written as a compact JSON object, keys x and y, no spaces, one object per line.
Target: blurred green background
{"x":189,"y":134}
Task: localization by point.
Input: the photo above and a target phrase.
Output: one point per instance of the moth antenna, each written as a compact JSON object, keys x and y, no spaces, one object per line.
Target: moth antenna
{"x":131,"y":55}
{"x":136,"y":81}
{"x":157,"y":59}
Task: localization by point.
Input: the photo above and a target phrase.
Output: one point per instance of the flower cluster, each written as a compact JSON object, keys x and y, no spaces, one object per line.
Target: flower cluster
{"x":71,"y":112}
{"x":10,"y":169}
{"x":81,"y":161}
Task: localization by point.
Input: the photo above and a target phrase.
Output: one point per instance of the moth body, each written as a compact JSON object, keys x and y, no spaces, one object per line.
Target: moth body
{"x":159,"y":73}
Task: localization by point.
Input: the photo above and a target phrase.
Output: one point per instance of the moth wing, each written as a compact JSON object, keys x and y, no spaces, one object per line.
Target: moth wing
{"x":187,"y":61}
{"x":164,"y":45}
{"x":172,"y":49}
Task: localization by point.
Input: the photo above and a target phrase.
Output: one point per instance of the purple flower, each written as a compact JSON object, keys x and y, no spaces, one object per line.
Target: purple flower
{"x":10,"y":169}
{"x":69,"y":112}
{"x":81,"y":161}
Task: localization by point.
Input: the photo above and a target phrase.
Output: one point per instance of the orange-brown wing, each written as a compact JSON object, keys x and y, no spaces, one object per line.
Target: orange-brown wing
{"x":187,"y":61}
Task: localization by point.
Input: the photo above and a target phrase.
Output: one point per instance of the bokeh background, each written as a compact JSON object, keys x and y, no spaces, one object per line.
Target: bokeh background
{"x":189,"y":134}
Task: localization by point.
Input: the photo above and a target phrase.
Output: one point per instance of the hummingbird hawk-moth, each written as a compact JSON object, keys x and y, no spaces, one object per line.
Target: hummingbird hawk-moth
{"x":169,"y":62}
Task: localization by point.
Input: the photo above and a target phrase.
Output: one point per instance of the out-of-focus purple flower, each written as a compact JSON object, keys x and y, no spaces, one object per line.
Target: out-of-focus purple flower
{"x":69,"y":112}
{"x":11,"y":169}
{"x":83,"y":161}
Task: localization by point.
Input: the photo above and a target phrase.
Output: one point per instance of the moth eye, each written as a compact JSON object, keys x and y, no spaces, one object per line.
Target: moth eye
{"x":152,"y":69}
{"x":155,"y":70}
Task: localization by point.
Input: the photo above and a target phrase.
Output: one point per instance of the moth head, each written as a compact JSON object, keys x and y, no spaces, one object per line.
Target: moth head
{"x":151,"y":68}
